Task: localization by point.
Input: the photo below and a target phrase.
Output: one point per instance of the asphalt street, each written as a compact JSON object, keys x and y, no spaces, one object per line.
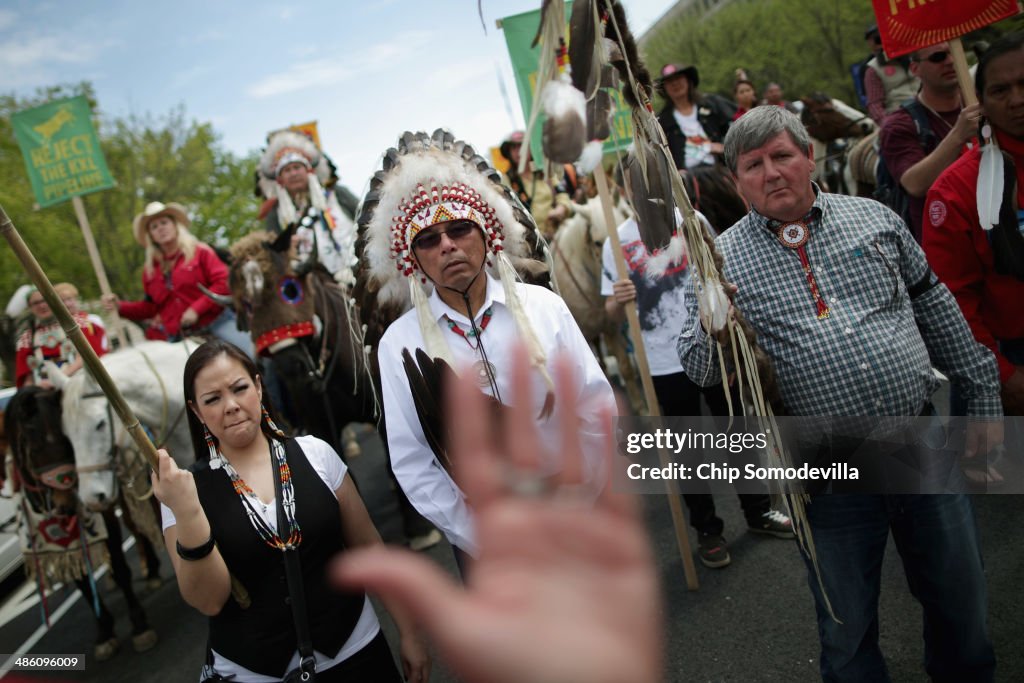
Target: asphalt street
{"x":751,"y":621}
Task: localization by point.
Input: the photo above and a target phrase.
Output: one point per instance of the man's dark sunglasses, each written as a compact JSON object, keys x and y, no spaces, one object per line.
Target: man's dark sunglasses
{"x":455,"y":232}
{"x":935,"y":57}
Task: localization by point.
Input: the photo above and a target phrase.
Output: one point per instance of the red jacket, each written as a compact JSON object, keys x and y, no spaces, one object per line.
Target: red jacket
{"x":167,"y":298}
{"x":960,"y":255}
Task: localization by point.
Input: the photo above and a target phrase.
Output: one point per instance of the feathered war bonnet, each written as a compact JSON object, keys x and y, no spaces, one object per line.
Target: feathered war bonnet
{"x":424,"y":181}
{"x":283,"y":148}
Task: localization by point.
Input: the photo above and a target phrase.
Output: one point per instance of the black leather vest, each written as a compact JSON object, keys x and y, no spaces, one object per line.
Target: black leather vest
{"x":262,"y":637}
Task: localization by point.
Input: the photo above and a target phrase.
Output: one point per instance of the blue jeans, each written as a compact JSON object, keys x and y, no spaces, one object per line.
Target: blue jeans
{"x":225,"y":327}
{"x":937,"y":539}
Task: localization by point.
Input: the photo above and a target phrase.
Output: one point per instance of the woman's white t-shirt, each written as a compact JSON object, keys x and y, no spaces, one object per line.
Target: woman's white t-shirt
{"x":331,"y":470}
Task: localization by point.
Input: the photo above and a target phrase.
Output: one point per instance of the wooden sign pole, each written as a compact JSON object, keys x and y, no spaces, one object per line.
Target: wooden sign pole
{"x":97,"y":264}
{"x":963,"y":72}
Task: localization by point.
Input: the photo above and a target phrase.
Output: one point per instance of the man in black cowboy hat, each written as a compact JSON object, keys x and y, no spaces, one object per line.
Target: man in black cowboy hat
{"x":694,"y":124}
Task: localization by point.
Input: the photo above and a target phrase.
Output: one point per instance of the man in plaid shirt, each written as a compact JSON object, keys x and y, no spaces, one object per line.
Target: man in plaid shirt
{"x":844,"y":303}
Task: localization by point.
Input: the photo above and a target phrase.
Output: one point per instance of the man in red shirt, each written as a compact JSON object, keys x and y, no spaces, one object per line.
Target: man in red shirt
{"x":985,"y":269}
{"x":913,"y":163}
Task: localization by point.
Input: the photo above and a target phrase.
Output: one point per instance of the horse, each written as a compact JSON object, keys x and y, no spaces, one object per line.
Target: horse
{"x":149,"y":376}
{"x":307,"y":324}
{"x":713,"y":192}
{"x":830,"y":123}
{"x":61,"y":538}
{"x":576,"y":253}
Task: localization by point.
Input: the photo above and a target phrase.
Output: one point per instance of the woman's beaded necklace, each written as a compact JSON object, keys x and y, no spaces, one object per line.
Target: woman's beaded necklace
{"x":250,"y":500}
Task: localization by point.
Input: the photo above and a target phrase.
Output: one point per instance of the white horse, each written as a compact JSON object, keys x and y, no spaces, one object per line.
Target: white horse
{"x":577,"y":272}
{"x":150,"y":377}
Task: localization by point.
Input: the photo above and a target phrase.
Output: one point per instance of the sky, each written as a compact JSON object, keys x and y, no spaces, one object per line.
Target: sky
{"x":366,"y":71}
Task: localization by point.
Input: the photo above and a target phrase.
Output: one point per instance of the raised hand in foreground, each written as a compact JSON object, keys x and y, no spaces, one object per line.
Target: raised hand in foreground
{"x":564,"y":588}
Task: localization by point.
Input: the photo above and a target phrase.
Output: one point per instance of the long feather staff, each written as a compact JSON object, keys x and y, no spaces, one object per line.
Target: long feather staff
{"x":754,"y":372}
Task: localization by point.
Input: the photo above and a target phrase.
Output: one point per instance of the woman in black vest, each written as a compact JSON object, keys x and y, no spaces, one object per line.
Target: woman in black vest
{"x":218,"y":529}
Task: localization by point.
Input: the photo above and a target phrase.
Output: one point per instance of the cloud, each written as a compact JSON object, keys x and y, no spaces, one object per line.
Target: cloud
{"x":456,"y":75}
{"x":7,"y":18}
{"x":326,"y":72}
{"x":30,"y":60}
{"x":187,"y":77}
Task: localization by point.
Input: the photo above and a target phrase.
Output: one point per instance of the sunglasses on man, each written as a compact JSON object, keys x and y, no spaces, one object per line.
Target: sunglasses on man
{"x":935,"y":57}
{"x":456,"y":231}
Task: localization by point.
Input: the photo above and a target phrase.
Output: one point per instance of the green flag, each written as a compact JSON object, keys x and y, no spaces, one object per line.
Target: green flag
{"x":61,"y":150}
{"x":520,"y":30}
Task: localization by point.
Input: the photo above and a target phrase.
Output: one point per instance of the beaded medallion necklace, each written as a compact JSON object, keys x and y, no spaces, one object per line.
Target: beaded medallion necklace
{"x":250,"y":500}
{"x":794,"y":235}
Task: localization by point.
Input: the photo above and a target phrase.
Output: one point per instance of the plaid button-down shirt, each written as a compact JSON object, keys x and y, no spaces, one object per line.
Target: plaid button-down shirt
{"x":873,"y":354}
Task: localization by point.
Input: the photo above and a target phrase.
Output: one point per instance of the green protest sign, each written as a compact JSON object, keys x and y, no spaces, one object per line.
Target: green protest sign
{"x":61,"y":150}
{"x":520,"y":30}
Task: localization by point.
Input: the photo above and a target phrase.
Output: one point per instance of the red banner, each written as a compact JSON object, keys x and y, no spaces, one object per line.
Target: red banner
{"x":908,"y":25}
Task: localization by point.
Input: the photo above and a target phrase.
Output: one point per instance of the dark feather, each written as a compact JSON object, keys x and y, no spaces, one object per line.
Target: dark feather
{"x":649,"y":177}
{"x":582,"y":37}
{"x":618,"y":31}
{"x":599,"y":107}
{"x":390,"y":160}
{"x":427,"y":379}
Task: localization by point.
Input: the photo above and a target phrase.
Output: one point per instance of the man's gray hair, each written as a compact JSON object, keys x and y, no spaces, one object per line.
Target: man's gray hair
{"x":759,"y":125}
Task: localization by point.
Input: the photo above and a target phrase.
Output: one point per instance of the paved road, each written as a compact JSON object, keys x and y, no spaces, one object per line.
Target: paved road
{"x":752,"y":621}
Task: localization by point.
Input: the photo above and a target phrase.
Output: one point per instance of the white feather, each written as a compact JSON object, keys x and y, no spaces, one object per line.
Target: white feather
{"x":593,"y":152}
{"x":990,"y":185}
{"x":713,"y":305}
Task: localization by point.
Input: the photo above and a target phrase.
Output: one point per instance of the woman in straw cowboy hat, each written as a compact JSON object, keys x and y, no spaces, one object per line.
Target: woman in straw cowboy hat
{"x":176,"y":264}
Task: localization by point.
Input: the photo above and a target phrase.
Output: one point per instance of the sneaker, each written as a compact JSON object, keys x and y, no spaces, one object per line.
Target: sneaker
{"x":773,"y":523}
{"x":713,"y":551}
{"x":427,"y":540}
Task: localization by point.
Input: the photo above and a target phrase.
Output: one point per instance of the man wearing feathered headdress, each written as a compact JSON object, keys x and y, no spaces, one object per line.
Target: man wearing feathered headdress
{"x":302,"y":194}
{"x":440,"y":236}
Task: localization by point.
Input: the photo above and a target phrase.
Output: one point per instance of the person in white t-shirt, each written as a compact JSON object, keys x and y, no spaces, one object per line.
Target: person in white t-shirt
{"x":659,"y":287}
{"x":694,"y":124}
{"x":269,"y":513}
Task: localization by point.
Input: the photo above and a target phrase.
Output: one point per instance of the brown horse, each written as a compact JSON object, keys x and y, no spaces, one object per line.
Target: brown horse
{"x":56,"y":527}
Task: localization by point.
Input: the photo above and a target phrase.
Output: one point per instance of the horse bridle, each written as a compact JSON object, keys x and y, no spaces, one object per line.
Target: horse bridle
{"x":116,"y":464}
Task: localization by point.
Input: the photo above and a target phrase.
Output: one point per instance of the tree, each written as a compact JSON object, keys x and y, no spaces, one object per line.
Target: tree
{"x":806,"y":45}
{"x":166,"y":158}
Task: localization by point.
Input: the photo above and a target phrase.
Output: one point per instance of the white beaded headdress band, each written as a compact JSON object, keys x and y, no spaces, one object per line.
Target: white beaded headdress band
{"x":450,"y":201}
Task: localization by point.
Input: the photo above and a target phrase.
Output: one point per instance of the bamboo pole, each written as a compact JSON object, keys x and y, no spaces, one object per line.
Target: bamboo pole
{"x":74,"y":333}
{"x":653,"y":409}
{"x":92,"y":363}
{"x":97,"y":265}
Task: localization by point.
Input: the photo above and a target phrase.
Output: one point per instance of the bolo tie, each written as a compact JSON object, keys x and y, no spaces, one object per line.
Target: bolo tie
{"x":794,"y":235}
{"x":483,"y":369}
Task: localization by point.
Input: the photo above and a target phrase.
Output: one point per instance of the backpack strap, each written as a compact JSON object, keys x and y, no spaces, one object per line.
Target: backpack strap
{"x":925,"y":134}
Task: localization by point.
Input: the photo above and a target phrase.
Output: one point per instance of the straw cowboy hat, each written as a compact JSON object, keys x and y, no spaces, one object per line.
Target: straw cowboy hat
{"x":154,"y":209}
